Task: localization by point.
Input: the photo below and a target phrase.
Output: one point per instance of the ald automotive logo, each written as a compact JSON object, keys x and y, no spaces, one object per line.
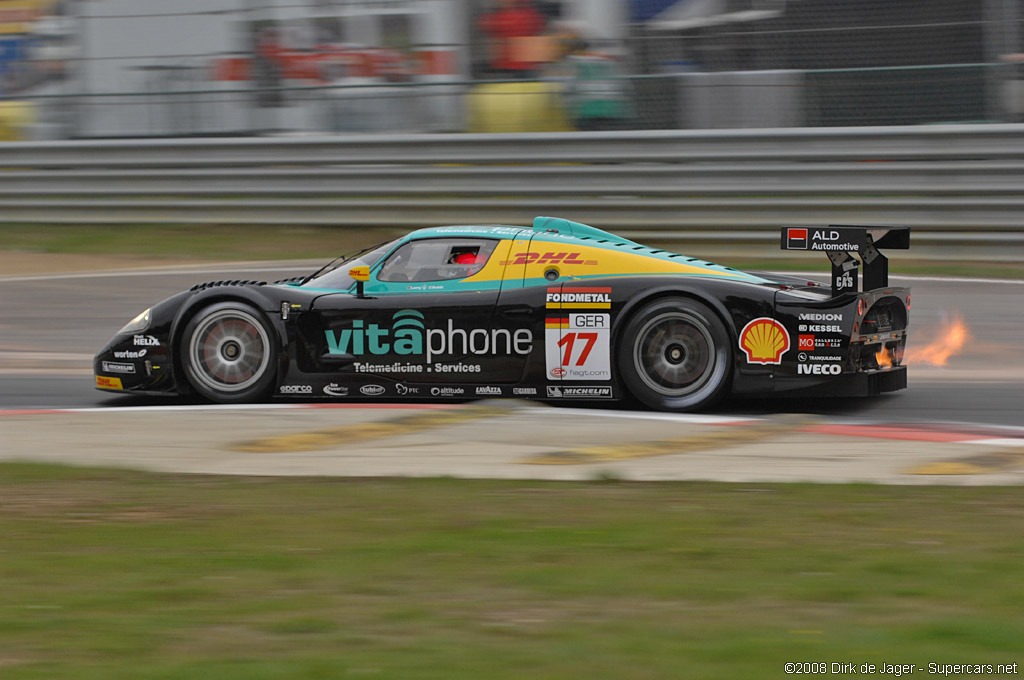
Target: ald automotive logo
{"x":408,"y":335}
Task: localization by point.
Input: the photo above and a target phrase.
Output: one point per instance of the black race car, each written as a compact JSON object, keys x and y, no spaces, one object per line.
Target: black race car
{"x":559,"y":311}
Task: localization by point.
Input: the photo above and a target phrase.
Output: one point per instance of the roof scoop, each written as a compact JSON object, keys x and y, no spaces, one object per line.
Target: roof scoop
{"x":576,"y":229}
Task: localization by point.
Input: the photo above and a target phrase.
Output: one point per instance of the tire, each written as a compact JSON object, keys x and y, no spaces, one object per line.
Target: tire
{"x":229,"y":353}
{"x":676,"y":355}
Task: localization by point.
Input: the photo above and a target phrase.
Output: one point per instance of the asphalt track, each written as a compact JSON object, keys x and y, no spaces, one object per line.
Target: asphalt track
{"x":51,"y":325}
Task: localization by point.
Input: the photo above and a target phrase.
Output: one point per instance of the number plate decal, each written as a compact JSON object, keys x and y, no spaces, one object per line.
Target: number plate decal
{"x":577,"y":346}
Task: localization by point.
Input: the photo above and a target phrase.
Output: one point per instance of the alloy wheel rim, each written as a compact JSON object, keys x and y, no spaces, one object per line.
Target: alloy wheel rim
{"x":674,"y":354}
{"x":229,"y":351}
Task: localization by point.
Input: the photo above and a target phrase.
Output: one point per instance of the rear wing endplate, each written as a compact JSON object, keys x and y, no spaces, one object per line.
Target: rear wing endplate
{"x":841,"y":242}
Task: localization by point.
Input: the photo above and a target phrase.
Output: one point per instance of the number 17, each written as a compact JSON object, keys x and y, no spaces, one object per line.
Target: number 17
{"x":569,"y":340}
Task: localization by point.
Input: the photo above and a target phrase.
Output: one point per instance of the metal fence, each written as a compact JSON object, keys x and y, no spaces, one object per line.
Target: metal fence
{"x":934,"y":178}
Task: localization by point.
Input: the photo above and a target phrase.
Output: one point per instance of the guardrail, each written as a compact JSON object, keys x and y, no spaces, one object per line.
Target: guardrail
{"x":934,"y":178}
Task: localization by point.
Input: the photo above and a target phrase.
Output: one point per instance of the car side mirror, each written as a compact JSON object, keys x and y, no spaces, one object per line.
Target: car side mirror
{"x":361,"y":275}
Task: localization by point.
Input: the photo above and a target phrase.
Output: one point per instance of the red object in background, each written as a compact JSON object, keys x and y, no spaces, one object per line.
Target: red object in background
{"x":517,"y":19}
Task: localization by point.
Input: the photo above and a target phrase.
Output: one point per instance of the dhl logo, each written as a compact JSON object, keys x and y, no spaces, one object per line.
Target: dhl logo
{"x":548,"y":258}
{"x":108,"y":383}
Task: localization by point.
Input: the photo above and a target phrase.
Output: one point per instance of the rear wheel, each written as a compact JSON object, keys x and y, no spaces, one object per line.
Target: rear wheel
{"x":675,"y":355}
{"x":229,"y":354}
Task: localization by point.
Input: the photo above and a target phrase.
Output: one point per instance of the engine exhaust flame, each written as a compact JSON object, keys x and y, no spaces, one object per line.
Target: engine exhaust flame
{"x":883,"y":358}
{"x":949,"y":341}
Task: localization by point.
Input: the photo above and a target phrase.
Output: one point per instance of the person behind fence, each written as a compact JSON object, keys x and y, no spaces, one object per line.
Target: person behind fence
{"x":595,"y":92}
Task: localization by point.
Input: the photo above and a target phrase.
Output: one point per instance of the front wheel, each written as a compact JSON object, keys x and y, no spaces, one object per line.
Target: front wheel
{"x":229,"y":353}
{"x":675,"y":355}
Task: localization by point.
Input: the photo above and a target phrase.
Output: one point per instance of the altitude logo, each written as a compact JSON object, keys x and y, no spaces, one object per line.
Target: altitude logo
{"x":408,"y":336}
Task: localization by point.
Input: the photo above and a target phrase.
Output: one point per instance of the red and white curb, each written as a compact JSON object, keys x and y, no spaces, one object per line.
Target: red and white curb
{"x":960,"y":433}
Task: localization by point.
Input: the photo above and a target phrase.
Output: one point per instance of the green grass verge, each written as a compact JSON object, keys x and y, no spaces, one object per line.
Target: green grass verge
{"x":111,"y":574}
{"x":213,"y":242}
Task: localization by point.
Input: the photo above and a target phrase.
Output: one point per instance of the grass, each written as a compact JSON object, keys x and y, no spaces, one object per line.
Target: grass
{"x":240,"y":242}
{"x":209,"y":242}
{"x":114,"y":574}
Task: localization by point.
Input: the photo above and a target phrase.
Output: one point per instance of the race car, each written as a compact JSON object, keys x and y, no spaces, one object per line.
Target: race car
{"x":557,"y":311}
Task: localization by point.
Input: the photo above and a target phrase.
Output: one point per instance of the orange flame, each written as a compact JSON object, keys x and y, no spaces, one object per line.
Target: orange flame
{"x":883,"y":358}
{"x":947,"y":343}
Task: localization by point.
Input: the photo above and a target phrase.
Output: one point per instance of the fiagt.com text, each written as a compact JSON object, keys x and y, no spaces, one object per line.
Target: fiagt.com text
{"x":897,"y":670}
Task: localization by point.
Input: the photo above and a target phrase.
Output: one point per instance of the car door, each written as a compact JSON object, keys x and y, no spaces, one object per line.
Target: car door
{"x":425,"y":316}
{"x":569,"y":317}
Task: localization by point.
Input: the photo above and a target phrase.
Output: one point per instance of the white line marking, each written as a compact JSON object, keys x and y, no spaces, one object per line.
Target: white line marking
{"x":49,"y":356}
{"x":915,"y":277}
{"x":691,"y":418}
{"x":300,"y":268}
{"x":303,"y":266}
{"x":1017,"y":443}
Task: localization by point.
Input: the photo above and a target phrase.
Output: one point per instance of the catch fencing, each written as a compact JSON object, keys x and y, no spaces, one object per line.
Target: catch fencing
{"x":967,"y":179}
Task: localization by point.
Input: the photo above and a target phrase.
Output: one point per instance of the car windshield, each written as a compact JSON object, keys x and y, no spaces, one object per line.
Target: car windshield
{"x":335,"y":274}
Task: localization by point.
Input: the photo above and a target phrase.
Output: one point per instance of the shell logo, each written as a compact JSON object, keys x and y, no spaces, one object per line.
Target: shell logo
{"x":764,"y":341}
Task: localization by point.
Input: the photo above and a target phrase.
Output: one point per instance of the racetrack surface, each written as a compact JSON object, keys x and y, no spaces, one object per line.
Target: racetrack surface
{"x":50,"y":326}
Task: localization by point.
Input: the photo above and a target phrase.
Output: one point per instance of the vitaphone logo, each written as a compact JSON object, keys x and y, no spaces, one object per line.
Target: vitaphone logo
{"x":408,"y":335}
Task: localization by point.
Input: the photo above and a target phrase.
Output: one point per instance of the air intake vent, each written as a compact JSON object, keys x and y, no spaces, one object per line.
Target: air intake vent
{"x":236,"y":282}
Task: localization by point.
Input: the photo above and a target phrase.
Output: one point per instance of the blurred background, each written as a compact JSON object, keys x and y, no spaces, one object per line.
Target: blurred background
{"x":147,"y":68}
{"x":668,"y":121}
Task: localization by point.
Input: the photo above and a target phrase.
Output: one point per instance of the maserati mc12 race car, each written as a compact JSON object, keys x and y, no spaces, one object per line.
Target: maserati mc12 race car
{"x":558,"y":311}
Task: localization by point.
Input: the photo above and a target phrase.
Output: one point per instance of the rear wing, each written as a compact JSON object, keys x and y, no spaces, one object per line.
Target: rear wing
{"x":840,"y":242}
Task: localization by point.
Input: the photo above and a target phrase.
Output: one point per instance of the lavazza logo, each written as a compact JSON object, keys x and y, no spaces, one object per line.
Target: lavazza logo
{"x":145,"y":341}
{"x":488,"y":391}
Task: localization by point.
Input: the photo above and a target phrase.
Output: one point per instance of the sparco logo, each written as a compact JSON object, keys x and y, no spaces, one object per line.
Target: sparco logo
{"x":128,"y":354}
{"x":447,"y":391}
{"x":296,"y":389}
{"x":819,"y":369}
{"x":488,"y":391}
{"x":145,"y":341}
{"x":371,"y":390}
{"x":821,"y":317}
{"x":335,"y":390}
